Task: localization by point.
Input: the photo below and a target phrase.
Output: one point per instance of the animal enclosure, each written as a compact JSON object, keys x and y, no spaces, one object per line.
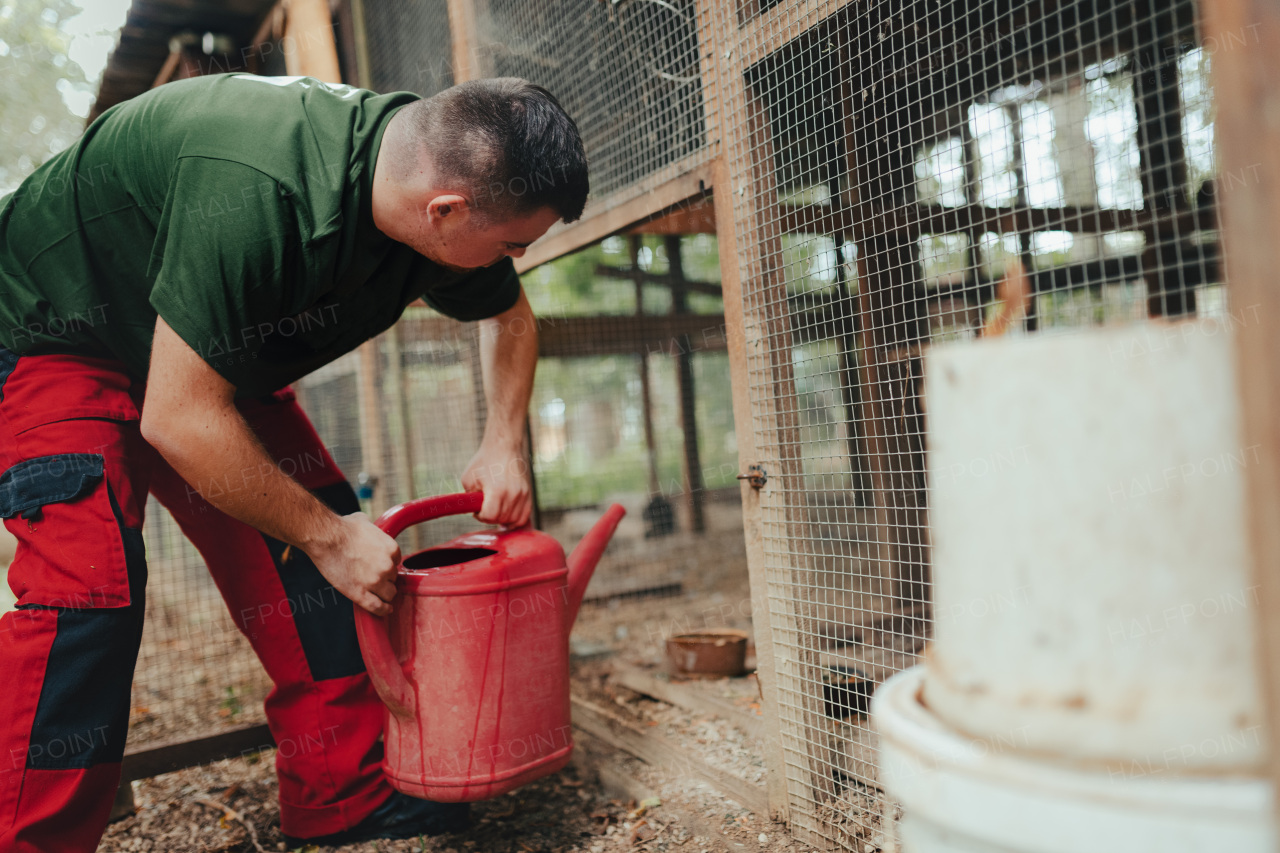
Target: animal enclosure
{"x":792,"y":200}
{"x":892,"y":159}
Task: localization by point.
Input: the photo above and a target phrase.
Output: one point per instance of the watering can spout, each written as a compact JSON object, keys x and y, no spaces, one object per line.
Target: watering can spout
{"x":582,"y":562}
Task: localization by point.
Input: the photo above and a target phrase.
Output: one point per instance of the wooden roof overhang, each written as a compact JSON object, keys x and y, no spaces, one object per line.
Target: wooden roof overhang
{"x":143,"y":49}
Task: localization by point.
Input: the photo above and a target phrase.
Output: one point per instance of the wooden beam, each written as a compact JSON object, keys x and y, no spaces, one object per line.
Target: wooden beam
{"x":573,"y":337}
{"x":186,"y":60}
{"x":765,"y":381}
{"x":762,"y":617}
{"x":309,"y":26}
{"x":1014,"y":115}
{"x":635,"y":274}
{"x":178,"y":754}
{"x":567,"y":337}
{"x":170,"y":67}
{"x":1162,"y":170}
{"x":691,"y":464}
{"x":402,"y":447}
{"x":464,"y":35}
{"x":653,"y":748}
{"x":893,"y":313}
{"x":780,"y":443}
{"x":372,"y":424}
{"x":650,"y":198}
{"x":784,"y":23}
{"x":646,"y":386}
{"x":360,"y":43}
{"x":850,"y":388}
{"x":1247,"y":83}
{"x":694,"y":218}
{"x":841,"y":220}
{"x":876,"y":432}
{"x":272,"y":26}
{"x":691,"y":697}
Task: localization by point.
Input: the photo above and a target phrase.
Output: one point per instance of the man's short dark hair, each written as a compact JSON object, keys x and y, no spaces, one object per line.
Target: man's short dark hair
{"x":508,"y":142}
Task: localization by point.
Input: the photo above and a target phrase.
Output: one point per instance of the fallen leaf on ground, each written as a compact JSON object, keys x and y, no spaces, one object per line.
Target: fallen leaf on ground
{"x":642,"y":832}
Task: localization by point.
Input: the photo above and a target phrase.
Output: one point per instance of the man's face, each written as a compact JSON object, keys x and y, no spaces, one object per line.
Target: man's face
{"x":469,"y":244}
{"x":447,"y":231}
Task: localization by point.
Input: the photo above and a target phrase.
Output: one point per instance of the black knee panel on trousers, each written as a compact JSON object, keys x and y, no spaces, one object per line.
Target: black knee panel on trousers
{"x":325,"y":618}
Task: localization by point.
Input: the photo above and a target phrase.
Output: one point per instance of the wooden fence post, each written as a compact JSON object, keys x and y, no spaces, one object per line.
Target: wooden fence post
{"x":1246,"y":78}
{"x":780,"y":544}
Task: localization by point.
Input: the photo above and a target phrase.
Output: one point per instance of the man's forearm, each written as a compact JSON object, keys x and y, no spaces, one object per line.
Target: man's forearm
{"x":508,"y":357}
{"x":190,"y":416}
{"x":221,"y":459}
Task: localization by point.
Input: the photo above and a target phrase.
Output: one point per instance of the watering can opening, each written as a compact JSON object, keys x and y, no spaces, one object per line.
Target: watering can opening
{"x":435,"y":558}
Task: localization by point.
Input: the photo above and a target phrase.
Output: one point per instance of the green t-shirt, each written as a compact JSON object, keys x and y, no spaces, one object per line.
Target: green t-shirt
{"x":238,"y":208}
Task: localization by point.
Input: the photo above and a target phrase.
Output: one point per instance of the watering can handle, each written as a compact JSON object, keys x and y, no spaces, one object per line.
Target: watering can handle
{"x":400,"y":518}
{"x":380,"y":659}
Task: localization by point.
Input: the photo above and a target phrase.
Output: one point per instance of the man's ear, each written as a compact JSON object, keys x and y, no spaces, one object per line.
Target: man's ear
{"x":449,"y":206}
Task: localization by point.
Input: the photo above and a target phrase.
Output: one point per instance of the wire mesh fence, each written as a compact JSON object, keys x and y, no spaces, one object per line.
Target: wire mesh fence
{"x":630,"y":74}
{"x":905,"y":172}
{"x":196,"y":673}
{"x":410,"y":46}
{"x":632,"y":404}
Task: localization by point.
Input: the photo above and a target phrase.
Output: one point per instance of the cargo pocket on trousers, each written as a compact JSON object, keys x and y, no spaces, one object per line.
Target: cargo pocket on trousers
{"x":29,"y":485}
{"x":70,"y":551}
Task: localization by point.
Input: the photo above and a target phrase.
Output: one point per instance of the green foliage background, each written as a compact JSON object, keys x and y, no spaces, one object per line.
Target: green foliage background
{"x":35,"y":70}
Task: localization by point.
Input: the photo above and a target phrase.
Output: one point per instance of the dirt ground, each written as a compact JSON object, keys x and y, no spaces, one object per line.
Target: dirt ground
{"x":230,"y":806}
{"x":605,"y":802}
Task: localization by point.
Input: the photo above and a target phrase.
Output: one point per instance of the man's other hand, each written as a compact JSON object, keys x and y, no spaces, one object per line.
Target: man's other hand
{"x":502,"y":474}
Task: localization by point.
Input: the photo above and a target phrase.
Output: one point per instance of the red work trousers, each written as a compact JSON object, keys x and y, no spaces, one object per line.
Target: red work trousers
{"x":74,"y":478}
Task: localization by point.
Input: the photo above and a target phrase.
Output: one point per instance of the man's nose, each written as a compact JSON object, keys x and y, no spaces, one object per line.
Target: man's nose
{"x":515,"y":253}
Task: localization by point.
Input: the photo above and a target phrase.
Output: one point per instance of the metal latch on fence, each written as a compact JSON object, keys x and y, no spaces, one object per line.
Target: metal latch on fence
{"x":756,"y":476}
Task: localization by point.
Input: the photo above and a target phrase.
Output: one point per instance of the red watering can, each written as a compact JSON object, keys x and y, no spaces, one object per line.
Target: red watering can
{"x":473,"y":662}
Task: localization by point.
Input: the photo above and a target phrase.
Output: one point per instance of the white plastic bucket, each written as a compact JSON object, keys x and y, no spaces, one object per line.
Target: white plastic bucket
{"x":1090,"y":555}
{"x":964,"y":795}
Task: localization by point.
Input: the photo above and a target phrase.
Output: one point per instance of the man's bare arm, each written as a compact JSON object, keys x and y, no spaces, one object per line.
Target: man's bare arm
{"x":508,"y":357}
{"x":190,"y":417}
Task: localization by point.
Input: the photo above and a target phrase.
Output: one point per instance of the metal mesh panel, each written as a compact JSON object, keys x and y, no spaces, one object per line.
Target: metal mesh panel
{"x":628,"y":72}
{"x":632,"y":404}
{"x":409,"y":46}
{"x":403,"y":422}
{"x":888,"y":161}
{"x":196,"y":673}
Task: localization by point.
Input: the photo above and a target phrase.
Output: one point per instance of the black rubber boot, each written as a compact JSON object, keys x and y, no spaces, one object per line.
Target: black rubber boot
{"x":400,"y":816}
